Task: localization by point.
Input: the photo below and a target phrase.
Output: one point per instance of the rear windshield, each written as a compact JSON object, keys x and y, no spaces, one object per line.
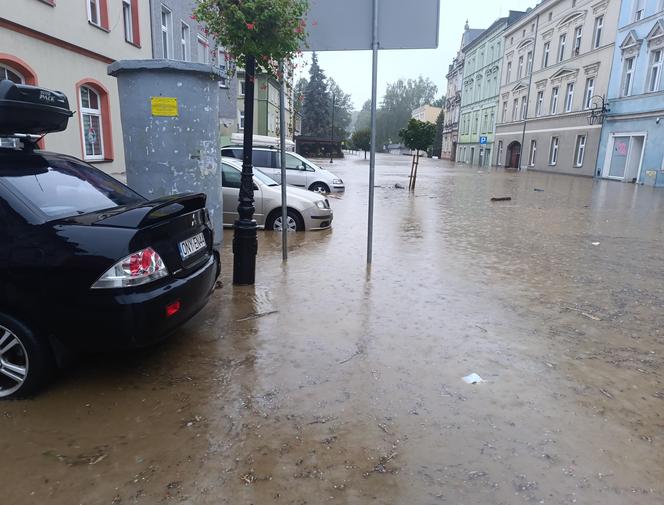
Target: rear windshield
{"x":62,"y":187}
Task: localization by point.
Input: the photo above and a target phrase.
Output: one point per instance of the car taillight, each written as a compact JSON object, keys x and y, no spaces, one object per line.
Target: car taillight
{"x":138,"y":268}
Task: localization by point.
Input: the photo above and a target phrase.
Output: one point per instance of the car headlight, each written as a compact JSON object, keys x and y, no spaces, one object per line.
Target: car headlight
{"x":320,"y":204}
{"x":337,"y":181}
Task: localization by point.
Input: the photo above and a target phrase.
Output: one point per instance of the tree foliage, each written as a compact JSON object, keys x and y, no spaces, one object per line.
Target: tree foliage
{"x":269,"y":30}
{"x":418,"y":135}
{"x":317,"y":103}
{"x":399,"y":101}
{"x":437,"y":147}
{"x":361,"y":140}
{"x":319,"y":95}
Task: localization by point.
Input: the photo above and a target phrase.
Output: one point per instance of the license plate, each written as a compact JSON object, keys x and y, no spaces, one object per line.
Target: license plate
{"x":192,"y":245}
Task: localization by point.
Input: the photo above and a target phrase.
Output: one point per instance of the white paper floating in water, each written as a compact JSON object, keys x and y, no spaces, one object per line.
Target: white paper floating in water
{"x":473,"y":378}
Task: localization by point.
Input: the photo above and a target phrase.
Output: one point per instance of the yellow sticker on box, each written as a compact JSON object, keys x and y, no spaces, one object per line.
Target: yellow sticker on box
{"x":164,"y":106}
{"x":651,"y":173}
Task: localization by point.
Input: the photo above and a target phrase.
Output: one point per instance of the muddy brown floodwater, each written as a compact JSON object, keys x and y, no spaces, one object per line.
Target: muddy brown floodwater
{"x":323,"y":384}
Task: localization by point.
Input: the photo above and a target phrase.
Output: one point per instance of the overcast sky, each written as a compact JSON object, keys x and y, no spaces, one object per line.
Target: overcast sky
{"x":352,"y":70}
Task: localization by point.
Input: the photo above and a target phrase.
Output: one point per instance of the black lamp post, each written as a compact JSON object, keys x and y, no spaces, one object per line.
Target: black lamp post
{"x":245,"y":240}
{"x":334,"y":97}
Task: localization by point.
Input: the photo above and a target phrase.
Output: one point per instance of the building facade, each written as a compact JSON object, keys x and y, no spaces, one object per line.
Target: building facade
{"x":557,"y":58}
{"x":68,"y":47}
{"x":176,"y":35}
{"x":427,"y":113}
{"x":452,"y":106}
{"x":632,"y":147}
{"x":266,"y":106}
{"x":479,"y":97}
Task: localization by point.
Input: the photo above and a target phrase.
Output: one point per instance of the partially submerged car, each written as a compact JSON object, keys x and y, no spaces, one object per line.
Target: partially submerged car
{"x":300,"y":172}
{"x":86,"y":263}
{"x":306,"y":210}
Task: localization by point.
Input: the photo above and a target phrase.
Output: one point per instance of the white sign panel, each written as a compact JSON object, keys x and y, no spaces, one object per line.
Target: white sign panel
{"x":345,"y":25}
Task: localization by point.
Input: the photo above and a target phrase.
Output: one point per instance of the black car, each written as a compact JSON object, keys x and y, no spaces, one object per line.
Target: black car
{"x":87,"y":264}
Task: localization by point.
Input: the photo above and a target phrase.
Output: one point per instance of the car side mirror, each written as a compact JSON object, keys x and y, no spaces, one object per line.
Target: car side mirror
{"x":255,"y":187}
{"x":303,"y":167}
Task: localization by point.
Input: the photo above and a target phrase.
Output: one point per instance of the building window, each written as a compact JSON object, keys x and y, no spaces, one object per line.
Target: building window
{"x":476,"y":123}
{"x":553,"y":152}
{"x":203,"y":50}
{"x":639,"y":10}
{"x":94,"y":14}
{"x":545,"y":56}
{"x":580,"y":150}
{"x":554,"y":101}
{"x":540,"y":103}
{"x":550,"y":16}
{"x":655,"y":72}
{"x":519,"y":70}
{"x":515,"y":109}
{"x":185,"y":41}
{"x":561,"y":47}
{"x":222,"y":62}
{"x":241,"y":122}
{"x":533,"y":152}
{"x":91,"y":124}
{"x":127,"y":19}
{"x":524,"y":107}
{"x":577,"y":40}
{"x":166,"y":37}
{"x":241,"y":88}
{"x":569,"y":97}
{"x":590,"y":92}
{"x":529,"y":63}
{"x":599,"y":24}
{"x":628,"y":76}
{"x":508,"y":74}
{"x":14,"y":76}
{"x":500,"y":152}
{"x":504,"y":114}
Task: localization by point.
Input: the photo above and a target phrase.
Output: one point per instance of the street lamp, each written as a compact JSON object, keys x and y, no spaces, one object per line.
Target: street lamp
{"x":332,"y":129}
{"x":245,"y":238}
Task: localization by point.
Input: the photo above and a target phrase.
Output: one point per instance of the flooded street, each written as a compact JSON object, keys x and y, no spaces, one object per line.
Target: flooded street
{"x":328,"y":384}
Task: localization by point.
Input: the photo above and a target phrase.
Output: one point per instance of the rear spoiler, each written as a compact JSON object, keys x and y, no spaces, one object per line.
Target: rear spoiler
{"x":148,"y":213}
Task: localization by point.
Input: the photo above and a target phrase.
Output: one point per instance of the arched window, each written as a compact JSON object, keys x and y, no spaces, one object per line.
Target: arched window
{"x":95,"y":121}
{"x":7,"y":72}
{"x":91,"y":124}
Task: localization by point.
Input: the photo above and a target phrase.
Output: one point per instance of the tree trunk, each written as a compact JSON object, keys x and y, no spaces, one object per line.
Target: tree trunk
{"x":417,"y":165}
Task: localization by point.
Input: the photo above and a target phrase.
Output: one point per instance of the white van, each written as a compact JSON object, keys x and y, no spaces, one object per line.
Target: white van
{"x":300,"y":172}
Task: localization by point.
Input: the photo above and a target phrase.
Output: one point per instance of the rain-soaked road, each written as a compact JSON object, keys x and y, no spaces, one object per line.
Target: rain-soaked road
{"x":327,"y":385}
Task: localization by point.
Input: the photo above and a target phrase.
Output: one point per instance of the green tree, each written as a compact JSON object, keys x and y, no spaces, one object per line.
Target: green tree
{"x":363,"y":120}
{"x":418,"y":136}
{"x":317,"y":103}
{"x":343,"y":110}
{"x":438,"y":102}
{"x":401,"y":98}
{"x":361,"y":140}
{"x":438,"y":140}
{"x":298,"y":94}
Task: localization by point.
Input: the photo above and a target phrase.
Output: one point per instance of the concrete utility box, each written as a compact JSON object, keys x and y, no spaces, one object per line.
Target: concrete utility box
{"x":170,"y":124}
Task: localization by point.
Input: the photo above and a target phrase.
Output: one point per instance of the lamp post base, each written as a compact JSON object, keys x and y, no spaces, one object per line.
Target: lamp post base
{"x":245,"y":248}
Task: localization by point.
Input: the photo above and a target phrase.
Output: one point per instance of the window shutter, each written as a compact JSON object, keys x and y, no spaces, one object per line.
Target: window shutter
{"x":103,"y":14}
{"x":135,"y":23}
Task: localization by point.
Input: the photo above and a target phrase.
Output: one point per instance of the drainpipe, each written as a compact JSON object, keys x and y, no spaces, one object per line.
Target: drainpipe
{"x":530,"y":83}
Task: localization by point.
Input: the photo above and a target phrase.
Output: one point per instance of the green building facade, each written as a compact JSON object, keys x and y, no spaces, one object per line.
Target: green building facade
{"x":480,"y":93}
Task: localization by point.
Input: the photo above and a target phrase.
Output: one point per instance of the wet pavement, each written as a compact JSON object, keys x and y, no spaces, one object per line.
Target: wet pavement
{"x":326,"y":383}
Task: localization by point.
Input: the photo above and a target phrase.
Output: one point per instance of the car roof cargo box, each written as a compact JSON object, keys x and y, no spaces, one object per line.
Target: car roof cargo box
{"x":31,"y":110}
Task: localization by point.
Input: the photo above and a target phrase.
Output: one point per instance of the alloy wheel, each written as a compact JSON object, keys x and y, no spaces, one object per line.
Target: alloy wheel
{"x":13,"y":362}
{"x":290,"y":223}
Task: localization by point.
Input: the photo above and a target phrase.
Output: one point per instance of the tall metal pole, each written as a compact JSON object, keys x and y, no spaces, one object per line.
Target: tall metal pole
{"x":530,"y":83}
{"x":282,"y":135}
{"x":332,"y":129}
{"x":245,"y":239}
{"x":372,"y":157}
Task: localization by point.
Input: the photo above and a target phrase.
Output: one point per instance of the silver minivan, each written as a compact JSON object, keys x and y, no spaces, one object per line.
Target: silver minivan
{"x":300,"y":171}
